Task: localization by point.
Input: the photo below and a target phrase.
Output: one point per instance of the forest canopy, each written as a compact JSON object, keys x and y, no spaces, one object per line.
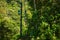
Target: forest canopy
{"x":40,"y":19}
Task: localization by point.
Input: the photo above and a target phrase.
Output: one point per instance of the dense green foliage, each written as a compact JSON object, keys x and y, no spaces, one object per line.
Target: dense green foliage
{"x":42,"y":24}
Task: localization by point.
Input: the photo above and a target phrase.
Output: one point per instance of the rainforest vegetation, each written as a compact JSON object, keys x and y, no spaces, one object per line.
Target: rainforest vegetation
{"x":29,"y":19}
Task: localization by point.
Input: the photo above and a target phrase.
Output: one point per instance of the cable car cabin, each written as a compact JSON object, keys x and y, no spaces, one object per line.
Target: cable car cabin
{"x":19,"y":12}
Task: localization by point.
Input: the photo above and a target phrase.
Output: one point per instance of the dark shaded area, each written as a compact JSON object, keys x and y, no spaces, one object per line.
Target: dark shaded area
{"x":4,"y":31}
